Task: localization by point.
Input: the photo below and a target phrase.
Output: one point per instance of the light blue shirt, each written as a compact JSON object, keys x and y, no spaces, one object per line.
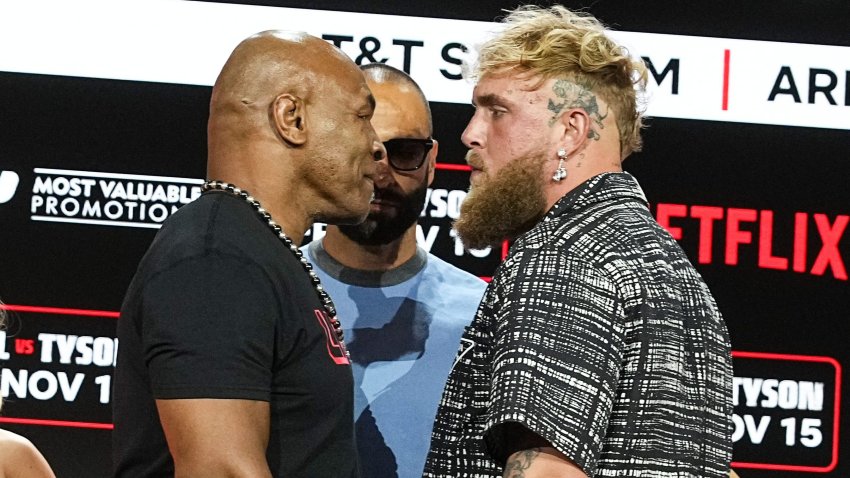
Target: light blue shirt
{"x":402,"y":328}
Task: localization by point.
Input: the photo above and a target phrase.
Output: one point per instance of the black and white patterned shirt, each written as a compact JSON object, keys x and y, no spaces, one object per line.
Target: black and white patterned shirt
{"x":598,"y":335}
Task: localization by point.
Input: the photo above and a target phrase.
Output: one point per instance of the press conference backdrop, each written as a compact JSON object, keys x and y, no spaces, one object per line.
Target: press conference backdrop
{"x":103,"y":109}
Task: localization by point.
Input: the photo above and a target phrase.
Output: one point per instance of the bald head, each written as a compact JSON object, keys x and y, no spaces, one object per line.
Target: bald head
{"x":268,"y":75}
{"x":289,"y":116}
{"x":272,"y":62}
{"x":381,"y":73}
{"x":260,"y":69}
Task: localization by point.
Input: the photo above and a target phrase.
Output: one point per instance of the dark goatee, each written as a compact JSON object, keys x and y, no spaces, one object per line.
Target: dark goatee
{"x":381,"y":229}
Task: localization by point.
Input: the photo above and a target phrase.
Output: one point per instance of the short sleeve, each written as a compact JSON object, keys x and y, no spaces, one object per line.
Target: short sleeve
{"x":208,"y":329}
{"x":557,"y":352}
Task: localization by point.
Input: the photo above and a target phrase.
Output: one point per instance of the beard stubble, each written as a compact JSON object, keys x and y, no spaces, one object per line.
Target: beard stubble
{"x":380,"y":229}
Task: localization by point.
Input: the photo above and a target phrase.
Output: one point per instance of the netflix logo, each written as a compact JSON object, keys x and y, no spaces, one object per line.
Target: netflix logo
{"x":815,"y":245}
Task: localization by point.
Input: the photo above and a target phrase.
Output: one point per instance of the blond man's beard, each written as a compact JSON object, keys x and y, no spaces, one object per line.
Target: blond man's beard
{"x":505,"y":205}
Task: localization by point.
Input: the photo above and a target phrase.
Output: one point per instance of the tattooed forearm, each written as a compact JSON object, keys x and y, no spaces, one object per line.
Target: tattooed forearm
{"x":572,"y":95}
{"x":520,"y":462}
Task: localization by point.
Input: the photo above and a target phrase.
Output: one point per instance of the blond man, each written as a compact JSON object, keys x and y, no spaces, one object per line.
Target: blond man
{"x":598,"y":348}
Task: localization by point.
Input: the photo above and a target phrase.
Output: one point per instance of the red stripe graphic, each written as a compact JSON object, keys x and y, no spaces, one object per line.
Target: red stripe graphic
{"x":60,"y":311}
{"x":726,"y":55}
{"x":454,"y":167}
{"x":57,"y":423}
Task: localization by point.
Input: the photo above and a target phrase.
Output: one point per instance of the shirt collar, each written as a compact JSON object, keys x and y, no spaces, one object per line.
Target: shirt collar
{"x":363,"y":278}
{"x":602,"y":187}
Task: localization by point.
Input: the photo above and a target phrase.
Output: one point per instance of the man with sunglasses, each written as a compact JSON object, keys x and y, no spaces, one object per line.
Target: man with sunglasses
{"x":403,"y":310}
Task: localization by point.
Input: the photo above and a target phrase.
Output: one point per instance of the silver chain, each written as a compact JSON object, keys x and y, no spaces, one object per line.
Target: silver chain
{"x":324,"y":298}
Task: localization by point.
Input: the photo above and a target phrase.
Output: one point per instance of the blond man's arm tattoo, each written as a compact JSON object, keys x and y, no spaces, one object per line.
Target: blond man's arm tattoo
{"x":520,"y":462}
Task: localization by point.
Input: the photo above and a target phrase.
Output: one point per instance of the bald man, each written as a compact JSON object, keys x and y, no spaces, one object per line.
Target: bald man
{"x":403,"y":309}
{"x":232,"y":362}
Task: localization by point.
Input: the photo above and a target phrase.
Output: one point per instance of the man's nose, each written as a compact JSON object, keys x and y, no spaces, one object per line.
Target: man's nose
{"x":383,"y":174}
{"x":473,"y":136}
{"x":378,"y":150}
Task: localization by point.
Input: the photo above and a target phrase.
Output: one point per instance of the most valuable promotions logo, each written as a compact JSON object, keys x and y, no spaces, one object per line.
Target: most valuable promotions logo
{"x":8,"y":185}
{"x":111,"y":199}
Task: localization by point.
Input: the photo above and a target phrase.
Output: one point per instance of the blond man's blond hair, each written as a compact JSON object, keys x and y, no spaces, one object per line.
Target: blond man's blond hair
{"x":558,"y":43}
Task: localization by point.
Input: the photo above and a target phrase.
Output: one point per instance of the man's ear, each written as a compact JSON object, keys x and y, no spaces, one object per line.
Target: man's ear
{"x":289,"y":118}
{"x":576,"y":129}
{"x":432,"y":161}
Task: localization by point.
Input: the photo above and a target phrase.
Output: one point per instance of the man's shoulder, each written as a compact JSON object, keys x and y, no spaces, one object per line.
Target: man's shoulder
{"x":453,"y":276}
{"x":210,"y":228}
{"x":599,"y":232}
{"x":211,"y":216}
{"x":452,"y":292}
{"x":18,"y":453}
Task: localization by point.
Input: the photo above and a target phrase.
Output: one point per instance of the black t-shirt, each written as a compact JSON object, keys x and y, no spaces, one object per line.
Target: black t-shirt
{"x":219,"y":308}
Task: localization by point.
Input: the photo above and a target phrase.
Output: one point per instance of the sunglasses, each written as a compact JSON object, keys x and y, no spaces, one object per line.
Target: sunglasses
{"x":408,"y":154}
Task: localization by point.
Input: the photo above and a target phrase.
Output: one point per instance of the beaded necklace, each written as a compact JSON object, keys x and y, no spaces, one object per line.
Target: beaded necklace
{"x":324,"y":298}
